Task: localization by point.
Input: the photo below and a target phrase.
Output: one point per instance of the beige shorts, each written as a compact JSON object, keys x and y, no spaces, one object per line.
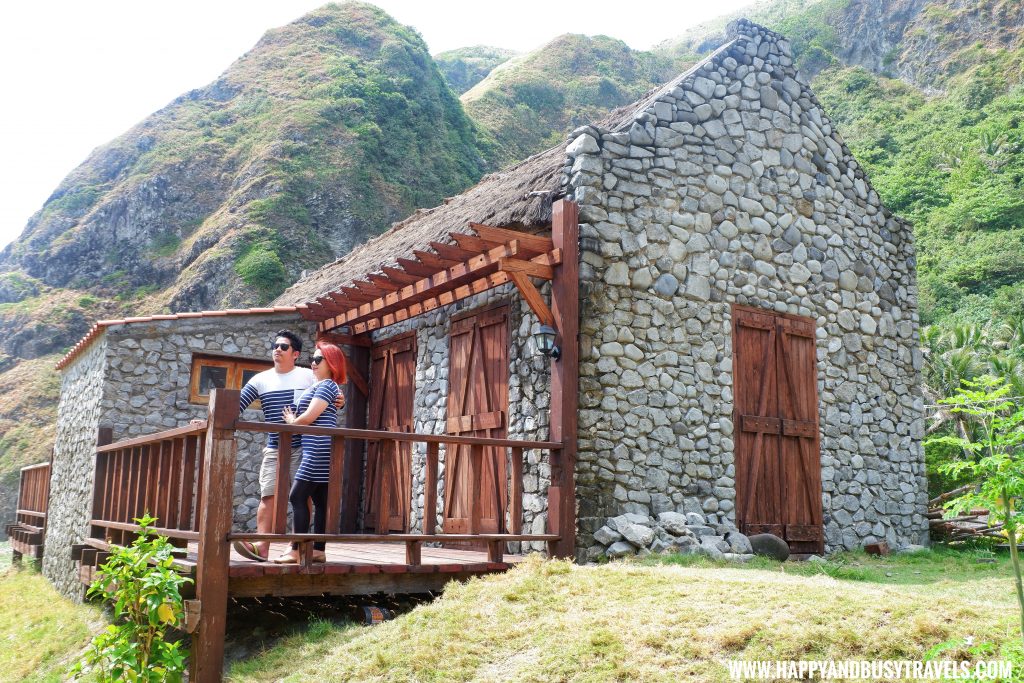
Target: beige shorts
{"x":268,"y":470}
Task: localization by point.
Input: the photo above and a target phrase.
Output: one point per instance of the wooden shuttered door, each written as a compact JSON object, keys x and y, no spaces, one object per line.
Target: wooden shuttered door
{"x":778,"y":456}
{"x":477,"y":406}
{"x":389,"y":464}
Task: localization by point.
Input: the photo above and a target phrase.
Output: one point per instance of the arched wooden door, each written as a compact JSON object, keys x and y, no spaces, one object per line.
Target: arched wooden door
{"x":389,"y":464}
{"x":778,"y":455}
{"x":477,"y":406}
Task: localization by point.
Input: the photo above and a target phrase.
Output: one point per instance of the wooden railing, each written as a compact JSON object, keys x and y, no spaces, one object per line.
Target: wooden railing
{"x":34,"y":495}
{"x":158,"y":475}
{"x":29,"y":527}
{"x":185,"y":478}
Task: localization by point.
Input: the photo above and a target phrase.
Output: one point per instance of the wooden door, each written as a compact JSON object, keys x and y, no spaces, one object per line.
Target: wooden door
{"x":477,"y":406}
{"x":778,"y":456}
{"x":389,"y":463}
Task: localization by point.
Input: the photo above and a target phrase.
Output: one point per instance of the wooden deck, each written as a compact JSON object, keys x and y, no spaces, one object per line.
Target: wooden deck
{"x":350,"y":569}
{"x":185,"y":477}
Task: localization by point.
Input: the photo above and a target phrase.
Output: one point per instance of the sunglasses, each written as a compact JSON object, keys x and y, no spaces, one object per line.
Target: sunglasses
{"x":282,"y":346}
{"x":316,"y":359}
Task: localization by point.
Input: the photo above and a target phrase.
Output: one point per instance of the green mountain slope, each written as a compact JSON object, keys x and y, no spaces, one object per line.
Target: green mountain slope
{"x":531,"y":102}
{"x":328,"y":130}
{"x":465,"y":67}
{"x":324,"y":133}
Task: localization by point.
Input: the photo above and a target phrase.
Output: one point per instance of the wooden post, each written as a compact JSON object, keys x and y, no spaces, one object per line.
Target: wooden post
{"x":476,"y":473}
{"x":214,"y":526}
{"x":284,"y":483}
{"x":355,"y":418}
{"x":565,"y":377}
{"x":515,"y":504}
{"x":334,"y":481}
{"x":104,"y":437}
{"x":430,"y":490}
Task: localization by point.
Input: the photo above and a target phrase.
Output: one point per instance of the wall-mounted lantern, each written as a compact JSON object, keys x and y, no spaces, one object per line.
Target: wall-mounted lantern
{"x":544,"y":338}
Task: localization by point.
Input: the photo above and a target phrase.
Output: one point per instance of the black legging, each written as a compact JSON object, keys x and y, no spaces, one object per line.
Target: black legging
{"x":301,"y":492}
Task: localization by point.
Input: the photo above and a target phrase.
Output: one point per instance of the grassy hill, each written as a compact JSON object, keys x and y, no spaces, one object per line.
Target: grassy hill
{"x":465,"y":67}
{"x":531,"y":102}
{"x":667,"y":619}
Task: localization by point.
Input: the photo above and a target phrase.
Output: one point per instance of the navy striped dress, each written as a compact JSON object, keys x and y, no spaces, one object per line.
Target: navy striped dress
{"x":316,"y":450}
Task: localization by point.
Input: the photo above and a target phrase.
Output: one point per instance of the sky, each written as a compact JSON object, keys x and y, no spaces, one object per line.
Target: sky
{"x":76,"y":74}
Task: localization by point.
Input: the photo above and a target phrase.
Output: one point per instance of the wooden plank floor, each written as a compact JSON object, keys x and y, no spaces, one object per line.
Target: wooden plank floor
{"x":368,"y":558}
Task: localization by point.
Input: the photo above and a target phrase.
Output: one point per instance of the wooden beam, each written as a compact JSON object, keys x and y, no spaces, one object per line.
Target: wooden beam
{"x":214,"y":557}
{"x":534,"y":243}
{"x":531,"y":268}
{"x":565,"y":377}
{"x":533,"y":298}
{"x":450,"y":251}
{"x":346,"y":339}
{"x":427,"y":286}
{"x":369,"y":288}
{"x":457,"y":294}
{"x":435,"y":261}
{"x":400,"y":276}
{"x":356,"y":294}
{"x":471,"y":243}
{"x":355,"y":418}
{"x":384,"y":282}
{"x":416,"y":267}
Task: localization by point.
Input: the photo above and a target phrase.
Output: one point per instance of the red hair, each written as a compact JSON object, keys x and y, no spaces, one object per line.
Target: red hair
{"x":335,"y":360}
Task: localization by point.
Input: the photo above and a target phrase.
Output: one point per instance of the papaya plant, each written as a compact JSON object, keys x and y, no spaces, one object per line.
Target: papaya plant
{"x":997,"y":462}
{"x":144,"y":592}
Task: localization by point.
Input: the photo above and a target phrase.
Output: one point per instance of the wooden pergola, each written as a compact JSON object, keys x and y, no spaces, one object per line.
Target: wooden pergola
{"x":423,"y":282}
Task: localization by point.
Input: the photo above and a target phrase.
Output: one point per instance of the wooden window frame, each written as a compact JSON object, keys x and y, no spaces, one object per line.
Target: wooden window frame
{"x":236,"y":368}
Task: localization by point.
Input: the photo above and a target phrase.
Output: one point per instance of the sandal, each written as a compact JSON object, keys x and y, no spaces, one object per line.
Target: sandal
{"x":247,"y":549}
{"x":290,"y":557}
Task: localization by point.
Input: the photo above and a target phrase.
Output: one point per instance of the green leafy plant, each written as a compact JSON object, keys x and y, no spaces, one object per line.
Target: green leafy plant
{"x":994,"y":460}
{"x":144,"y":591}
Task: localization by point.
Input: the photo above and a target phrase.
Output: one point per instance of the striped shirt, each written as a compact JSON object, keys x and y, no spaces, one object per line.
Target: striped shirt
{"x":276,"y":391}
{"x":316,"y":450}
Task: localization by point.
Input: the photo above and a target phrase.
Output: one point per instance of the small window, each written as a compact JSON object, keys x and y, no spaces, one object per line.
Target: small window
{"x":217,"y":372}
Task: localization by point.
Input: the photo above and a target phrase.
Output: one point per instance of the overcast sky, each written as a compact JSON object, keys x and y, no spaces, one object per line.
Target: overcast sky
{"x":78,"y":73}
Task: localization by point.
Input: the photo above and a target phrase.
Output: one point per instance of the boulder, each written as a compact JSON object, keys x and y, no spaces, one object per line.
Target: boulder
{"x":710,"y":549}
{"x":673,"y":522}
{"x":606,"y":536}
{"x":739,"y":543}
{"x":769,"y":545}
{"x":684,"y":545}
{"x":620,"y":549}
{"x":638,"y":534}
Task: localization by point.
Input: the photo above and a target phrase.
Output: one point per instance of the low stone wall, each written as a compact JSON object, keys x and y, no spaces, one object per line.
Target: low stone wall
{"x":733,"y":186}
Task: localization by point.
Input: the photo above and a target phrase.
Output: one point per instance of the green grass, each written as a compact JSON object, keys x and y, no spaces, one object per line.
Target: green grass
{"x":41,"y":632}
{"x":668,"y":618}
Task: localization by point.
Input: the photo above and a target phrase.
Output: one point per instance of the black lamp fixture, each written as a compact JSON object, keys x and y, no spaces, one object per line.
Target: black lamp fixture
{"x":544,"y":337}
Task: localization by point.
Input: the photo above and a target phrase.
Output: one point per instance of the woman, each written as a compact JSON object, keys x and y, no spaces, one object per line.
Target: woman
{"x":315,"y":407}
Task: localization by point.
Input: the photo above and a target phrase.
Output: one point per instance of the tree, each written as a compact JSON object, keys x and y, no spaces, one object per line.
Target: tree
{"x":997,"y":464}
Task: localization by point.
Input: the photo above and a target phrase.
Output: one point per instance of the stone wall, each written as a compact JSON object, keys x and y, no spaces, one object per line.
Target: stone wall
{"x":135,"y":378}
{"x":78,"y":417}
{"x":732,"y":185}
{"x":149,"y":369}
{"x":529,"y":396}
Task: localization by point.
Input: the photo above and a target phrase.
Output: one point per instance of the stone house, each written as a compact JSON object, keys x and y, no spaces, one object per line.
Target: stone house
{"x":745,"y":340}
{"x":143,"y":375}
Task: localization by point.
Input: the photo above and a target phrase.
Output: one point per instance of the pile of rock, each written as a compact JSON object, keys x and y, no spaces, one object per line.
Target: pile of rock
{"x":672,"y":532}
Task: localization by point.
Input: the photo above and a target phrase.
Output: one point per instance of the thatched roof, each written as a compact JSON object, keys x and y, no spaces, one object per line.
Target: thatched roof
{"x":518,"y":198}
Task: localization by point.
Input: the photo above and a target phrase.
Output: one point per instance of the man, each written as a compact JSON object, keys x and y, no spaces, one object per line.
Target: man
{"x":276,"y":389}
